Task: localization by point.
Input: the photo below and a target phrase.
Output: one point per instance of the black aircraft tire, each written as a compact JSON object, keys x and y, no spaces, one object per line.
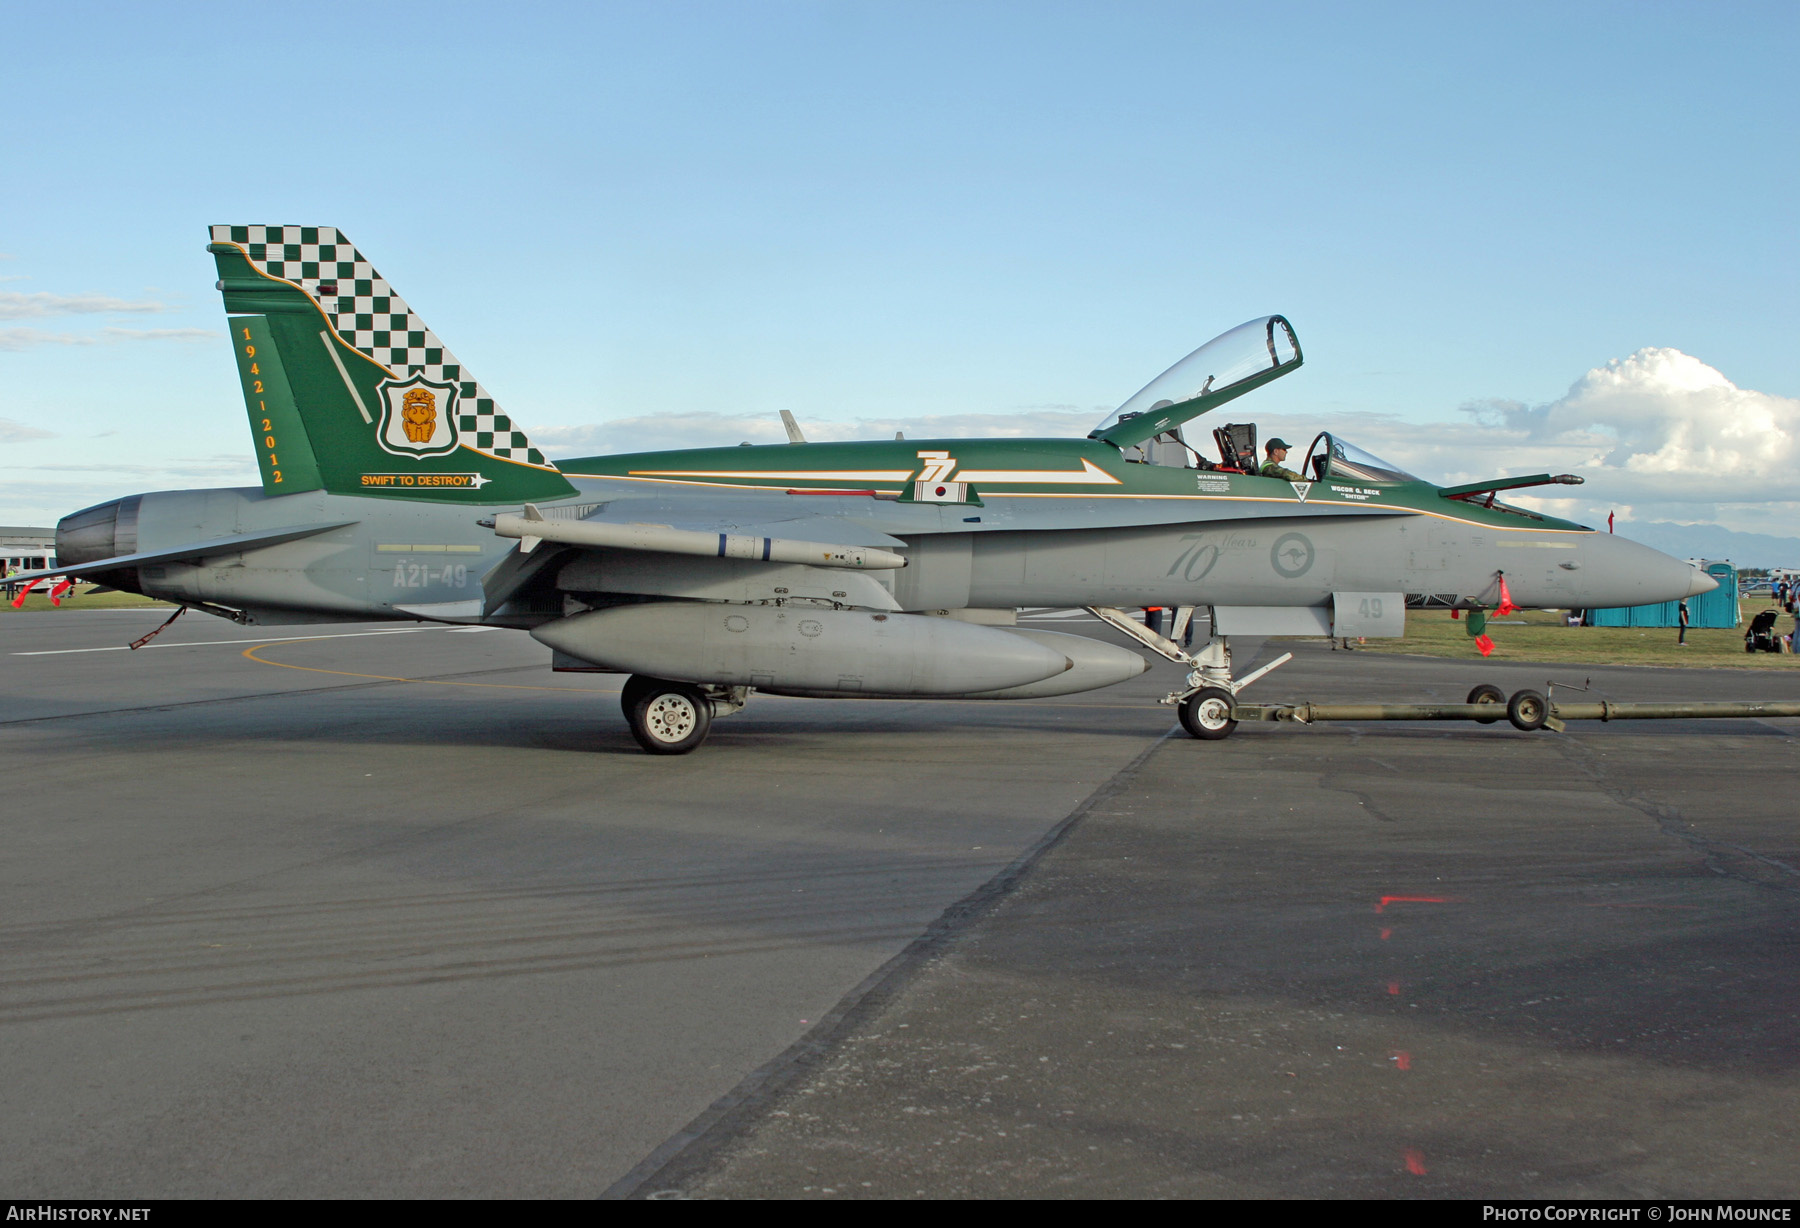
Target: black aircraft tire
{"x":670,"y":718}
{"x":1207,"y":714}
{"x":1487,"y":693}
{"x":1528,"y":710}
{"x":634,"y":689}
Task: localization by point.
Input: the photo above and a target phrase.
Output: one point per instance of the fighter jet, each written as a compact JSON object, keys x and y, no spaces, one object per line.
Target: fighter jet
{"x":395,"y":487}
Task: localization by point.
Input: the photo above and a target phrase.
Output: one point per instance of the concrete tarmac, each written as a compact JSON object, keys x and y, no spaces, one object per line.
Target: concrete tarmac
{"x":1349,"y":961}
{"x":278,"y":925}
{"x":395,"y":911}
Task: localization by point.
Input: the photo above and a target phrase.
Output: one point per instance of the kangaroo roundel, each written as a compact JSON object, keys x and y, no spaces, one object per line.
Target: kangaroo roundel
{"x":418,"y":417}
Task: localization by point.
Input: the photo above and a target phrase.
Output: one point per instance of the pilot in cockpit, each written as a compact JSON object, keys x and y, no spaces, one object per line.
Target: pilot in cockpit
{"x":1273,"y":468}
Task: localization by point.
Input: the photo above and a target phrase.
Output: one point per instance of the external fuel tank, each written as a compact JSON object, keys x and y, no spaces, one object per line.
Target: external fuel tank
{"x":799,"y":649}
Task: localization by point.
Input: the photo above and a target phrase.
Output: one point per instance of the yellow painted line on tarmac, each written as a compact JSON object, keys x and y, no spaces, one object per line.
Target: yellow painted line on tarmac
{"x":250,"y":654}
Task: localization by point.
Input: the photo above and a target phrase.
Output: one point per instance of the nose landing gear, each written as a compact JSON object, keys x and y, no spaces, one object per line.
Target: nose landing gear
{"x":1206,"y":714}
{"x":1205,"y":705}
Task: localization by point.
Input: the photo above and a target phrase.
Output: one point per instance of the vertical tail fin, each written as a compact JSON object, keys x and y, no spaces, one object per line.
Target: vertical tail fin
{"x":348,"y":390}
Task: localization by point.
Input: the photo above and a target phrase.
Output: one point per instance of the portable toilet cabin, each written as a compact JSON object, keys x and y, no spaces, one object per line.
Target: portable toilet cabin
{"x":1718,"y":608}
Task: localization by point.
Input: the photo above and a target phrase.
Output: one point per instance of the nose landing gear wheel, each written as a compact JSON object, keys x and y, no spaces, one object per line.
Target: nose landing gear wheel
{"x":666,"y":718}
{"x":1207,"y":714}
{"x":1488,"y":693}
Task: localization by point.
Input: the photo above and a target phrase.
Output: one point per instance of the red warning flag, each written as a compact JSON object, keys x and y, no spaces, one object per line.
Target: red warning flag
{"x":19,"y":601}
{"x":1609,"y":517}
{"x":1485,"y":644}
{"x":1506,"y":601}
{"x":56,"y":594}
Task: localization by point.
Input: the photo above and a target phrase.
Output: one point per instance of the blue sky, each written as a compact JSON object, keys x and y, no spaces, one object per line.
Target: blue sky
{"x":646,"y":224}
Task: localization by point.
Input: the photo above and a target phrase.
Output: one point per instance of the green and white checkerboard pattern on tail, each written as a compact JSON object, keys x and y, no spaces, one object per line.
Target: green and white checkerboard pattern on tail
{"x":347,"y":389}
{"x":367,"y":313}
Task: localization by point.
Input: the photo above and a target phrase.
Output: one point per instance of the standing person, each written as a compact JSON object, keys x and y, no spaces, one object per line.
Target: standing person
{"x":1681,"y":639}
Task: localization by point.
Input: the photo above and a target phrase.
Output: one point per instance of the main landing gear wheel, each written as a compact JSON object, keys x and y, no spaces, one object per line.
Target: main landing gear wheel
{"x":1528,"y":710}
{"x":1207,"y":714}
{"x":666,"y":718}
{"x":635,"y":688}
{"x":1488,"y":693}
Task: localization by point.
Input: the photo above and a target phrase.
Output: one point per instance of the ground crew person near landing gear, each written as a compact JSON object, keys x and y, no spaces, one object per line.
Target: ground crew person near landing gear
{"x":1273,"y":468}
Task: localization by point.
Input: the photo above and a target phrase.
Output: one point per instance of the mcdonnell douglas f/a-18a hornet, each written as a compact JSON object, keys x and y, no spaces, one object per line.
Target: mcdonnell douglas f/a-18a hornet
{"x":394,"y":487}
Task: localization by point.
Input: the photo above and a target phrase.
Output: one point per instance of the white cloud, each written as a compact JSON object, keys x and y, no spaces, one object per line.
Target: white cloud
{"x":18,"y":432}
{"x":1676,"y":427}
{"x":159,"y":334}
{"x":17,"y":305}
{"x":25,"y":338}
{"x":1658,"y":436}
{"x":224,"y":466}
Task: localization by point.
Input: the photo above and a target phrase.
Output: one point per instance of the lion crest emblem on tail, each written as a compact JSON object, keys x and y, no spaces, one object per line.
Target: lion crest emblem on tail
{"x":418,"y":417}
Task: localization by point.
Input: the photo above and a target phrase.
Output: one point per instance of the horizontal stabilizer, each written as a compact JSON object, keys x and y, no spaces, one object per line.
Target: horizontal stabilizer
{"x":193,"y":552}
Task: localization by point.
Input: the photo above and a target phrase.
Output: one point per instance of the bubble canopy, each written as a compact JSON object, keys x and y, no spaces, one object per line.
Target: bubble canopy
{"x":1331,"y":457}
{"x":1226,"y":367}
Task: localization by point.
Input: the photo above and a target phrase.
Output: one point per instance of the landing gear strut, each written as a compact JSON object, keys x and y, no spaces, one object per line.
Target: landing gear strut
{"x":673,"y":718}
{"x":1205,"y":704}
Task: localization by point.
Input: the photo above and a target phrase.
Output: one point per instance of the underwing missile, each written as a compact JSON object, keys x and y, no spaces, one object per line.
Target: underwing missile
{"x":531,"y":528}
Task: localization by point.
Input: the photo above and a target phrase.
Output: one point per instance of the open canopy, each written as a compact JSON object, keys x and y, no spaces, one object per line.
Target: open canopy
{"x":1226,"y":367}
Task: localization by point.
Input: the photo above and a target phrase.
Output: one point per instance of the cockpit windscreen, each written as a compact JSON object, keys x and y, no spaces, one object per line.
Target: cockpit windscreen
{"x":1331,"y":457}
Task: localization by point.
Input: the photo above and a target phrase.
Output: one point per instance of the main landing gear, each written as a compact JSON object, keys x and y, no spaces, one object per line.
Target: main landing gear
{"x":673,"y":718}
{"x":1205,"y":704}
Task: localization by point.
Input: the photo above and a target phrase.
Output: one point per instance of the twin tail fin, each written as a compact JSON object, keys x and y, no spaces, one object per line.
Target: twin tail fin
{"x":349,"y":391}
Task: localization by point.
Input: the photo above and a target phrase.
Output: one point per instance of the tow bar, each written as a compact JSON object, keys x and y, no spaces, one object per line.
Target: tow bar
{"x":1527,"y":710}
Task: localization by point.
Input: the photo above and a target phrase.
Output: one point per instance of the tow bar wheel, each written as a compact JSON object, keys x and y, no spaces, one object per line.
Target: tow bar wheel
{"x":1528,"y":710}
{"x":1488,"y":693}
{"x":666,"y":718}
{"x":1206,"y":714}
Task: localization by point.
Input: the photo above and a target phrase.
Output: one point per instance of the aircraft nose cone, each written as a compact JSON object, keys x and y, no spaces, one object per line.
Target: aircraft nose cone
{"x":1619,"y":572}
{"x":1701,"y":583}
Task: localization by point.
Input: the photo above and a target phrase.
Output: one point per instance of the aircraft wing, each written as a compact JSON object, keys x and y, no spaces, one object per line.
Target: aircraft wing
{"x":193,"y":552}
